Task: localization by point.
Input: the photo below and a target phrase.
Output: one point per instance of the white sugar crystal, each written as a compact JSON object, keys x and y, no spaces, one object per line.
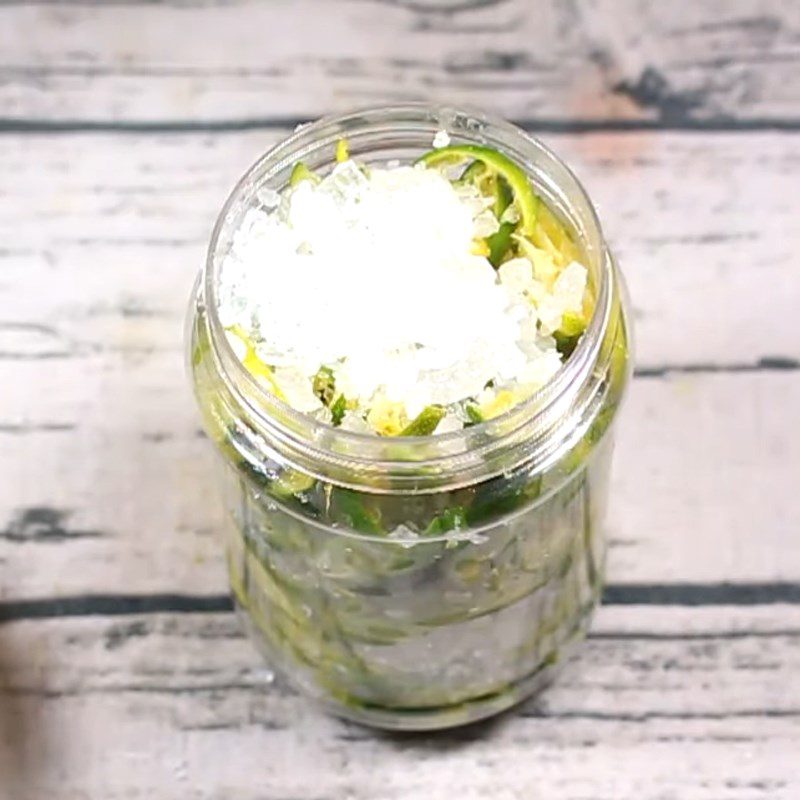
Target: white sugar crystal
{"x":485,"y":224}
{"x":322,"y":414}
{"x":354,"y":423}
{"x":536,"y":291}
{"x":268,"y":198}
{"x":346,"y":183}
{"x":567,"y":295}
{"x":297,"y":389}
{"x":472,"y":198}
{"x":441,"y":139}
{"x":374,"y":274}
{"x":485,"y":396}
{"x":529,"y":340}
{"x":536,"y":373}
{"x":510,"y":215}
{"x":550,"y":312}
{"x":570,"y":286}
{"x":449,"y":424}
{"x":516,"y":274}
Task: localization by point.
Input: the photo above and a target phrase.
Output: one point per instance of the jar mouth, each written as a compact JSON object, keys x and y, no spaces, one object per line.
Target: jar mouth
{"x":325,"y":451}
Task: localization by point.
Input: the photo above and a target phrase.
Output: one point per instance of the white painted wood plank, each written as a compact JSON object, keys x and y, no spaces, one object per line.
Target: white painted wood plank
{"x":249,"y":59}
{"x":166,"y":706}
{"x":101,"y":243}
{"x":107,"y":486}
{"x":116,"y":228}
{"x":124,"y":499}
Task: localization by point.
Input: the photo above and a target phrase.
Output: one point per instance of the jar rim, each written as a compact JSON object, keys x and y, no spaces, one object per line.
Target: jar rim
{"x":460,"y":455}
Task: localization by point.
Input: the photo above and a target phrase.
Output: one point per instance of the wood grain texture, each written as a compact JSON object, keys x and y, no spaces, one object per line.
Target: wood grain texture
{"x":122,"y":127}
{"x":113,"y":486}
{"x":129,"y":505}
{"x":711,"y":217}
{"x":570,"y":62}
{"x":163,"y":706}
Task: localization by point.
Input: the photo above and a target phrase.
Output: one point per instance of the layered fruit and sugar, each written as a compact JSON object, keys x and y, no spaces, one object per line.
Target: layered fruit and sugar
{"x":435,"y":579}
{"x":404,"y":299}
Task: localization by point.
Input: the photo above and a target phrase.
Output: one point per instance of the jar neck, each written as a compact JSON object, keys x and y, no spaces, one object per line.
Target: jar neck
{"x":534,"y":432}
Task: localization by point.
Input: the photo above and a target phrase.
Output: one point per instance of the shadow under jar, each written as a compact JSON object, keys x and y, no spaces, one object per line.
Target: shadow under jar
{"x":418,"y":582}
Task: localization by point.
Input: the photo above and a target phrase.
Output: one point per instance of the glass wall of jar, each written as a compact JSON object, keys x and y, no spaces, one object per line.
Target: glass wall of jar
{"x":421,"y":582}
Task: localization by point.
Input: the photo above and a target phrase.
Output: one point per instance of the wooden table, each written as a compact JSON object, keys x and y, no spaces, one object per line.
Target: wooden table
{"x":123,"y":673}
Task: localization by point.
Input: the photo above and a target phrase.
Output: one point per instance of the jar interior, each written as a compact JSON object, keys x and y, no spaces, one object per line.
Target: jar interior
{"x":431,"y":582}
{"x":403,"y":133}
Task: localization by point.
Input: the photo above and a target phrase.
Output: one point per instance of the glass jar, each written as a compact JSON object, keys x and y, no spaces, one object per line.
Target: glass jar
{"x":416,"y":583}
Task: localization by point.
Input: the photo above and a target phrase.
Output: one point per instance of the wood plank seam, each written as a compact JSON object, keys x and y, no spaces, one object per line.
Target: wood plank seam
{"x":623,"y":594}
{"x":16,"y":125}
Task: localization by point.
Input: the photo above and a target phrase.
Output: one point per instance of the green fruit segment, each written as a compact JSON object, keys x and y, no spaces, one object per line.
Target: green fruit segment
{"x":524,"y":198}
{"x":500,"y":243}
{"x":425,"y":423}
